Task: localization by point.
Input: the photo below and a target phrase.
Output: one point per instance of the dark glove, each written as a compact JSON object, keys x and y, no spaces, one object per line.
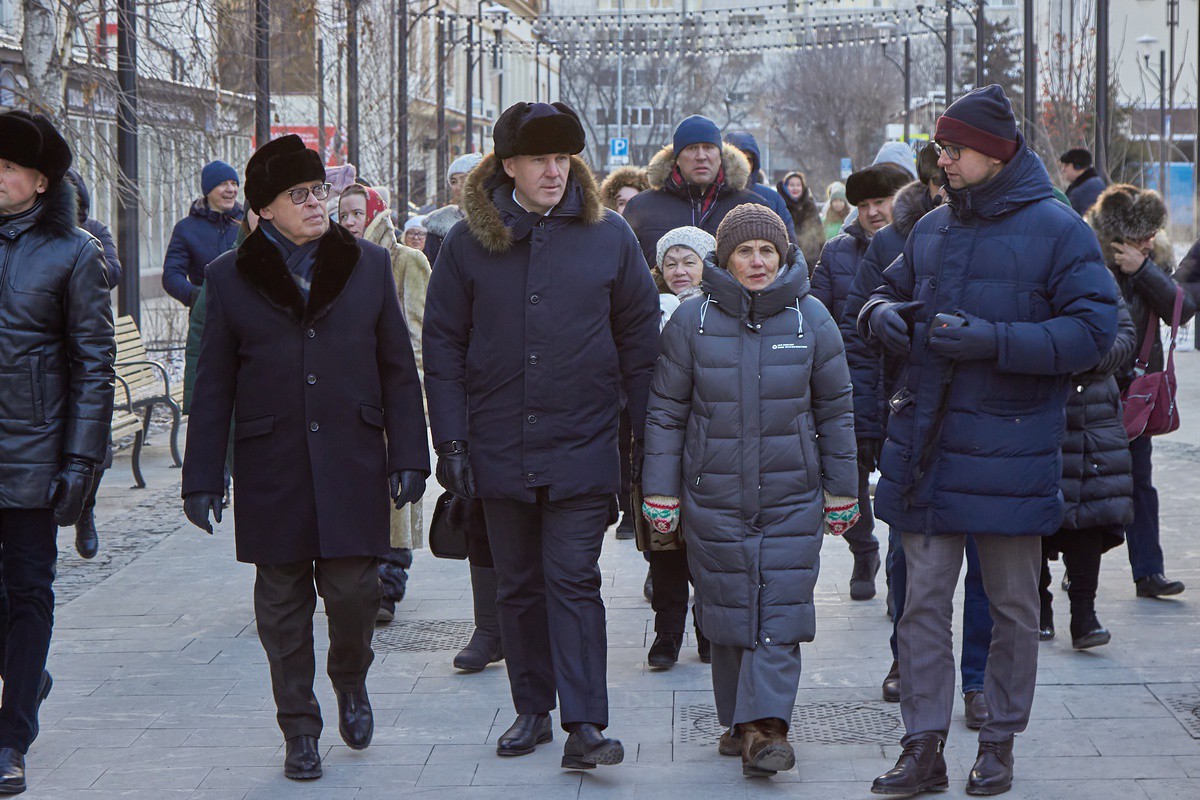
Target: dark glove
{"x":868,"y":453}
{"x":454,"y":470}
{"x":636,"y":456}
{"x":70,"y":488}
{"x":196,"y":507}
{"x":890,"y":327}
{"x":408,"y":485}
{"x":974,"y":341}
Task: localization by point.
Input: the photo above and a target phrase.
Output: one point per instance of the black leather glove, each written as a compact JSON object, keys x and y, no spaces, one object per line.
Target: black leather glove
{"x":408,"y":486}
{"x":636,"y":456}
{"x":454,"y":470}
{"x":890,"y":327}
{"x":196,"y":507}
{"x":868,"y":453}
{"x":70,"y":488}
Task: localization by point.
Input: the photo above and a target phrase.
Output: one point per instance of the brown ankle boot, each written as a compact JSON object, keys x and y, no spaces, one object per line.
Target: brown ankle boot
{"x":731,"y":742}
{"x":765,"y":748}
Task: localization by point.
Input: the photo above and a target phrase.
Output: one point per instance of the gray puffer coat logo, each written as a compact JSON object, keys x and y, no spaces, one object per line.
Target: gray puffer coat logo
{"x":750,"y":419}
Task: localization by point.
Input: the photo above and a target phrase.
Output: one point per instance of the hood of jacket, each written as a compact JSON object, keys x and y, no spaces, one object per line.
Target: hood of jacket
{"x":897,"y":153}
{"x":490,"y":226}
{"x":440,"y":222}
{"x":909,"y":205}
{"x":745,"y":141}
{"x":83,"y":196}
{"x":724,"y":291}
{"x":1022,"y":181}
{"x":737,"y":168}
{"x":804,"y":206}
{"x":200,"y":209}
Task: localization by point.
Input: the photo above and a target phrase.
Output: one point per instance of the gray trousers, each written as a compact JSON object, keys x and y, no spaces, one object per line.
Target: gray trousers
{"x":756,"y":684}
{"x":1011,"y":566}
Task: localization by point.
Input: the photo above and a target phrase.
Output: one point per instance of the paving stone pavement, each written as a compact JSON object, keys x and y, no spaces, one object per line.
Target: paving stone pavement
{"x":161,"y":687}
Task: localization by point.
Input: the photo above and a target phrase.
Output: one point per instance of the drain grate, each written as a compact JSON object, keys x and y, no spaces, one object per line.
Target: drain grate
{"x":1186,"y":710}
{"x":423,"y":635}
{"x":819,"y":723}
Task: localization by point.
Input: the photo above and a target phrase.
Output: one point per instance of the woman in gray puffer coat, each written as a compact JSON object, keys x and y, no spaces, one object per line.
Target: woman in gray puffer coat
{"x":750,"y":432}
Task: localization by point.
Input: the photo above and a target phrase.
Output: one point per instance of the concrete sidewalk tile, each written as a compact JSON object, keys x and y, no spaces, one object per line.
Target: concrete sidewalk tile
{"x":161,"y":777}
{"x":1186,"y":789}
{"x":447,"y":774}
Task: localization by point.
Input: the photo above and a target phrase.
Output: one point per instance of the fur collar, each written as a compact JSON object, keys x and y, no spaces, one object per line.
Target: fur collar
{"x":910,"y":204}
{"x":440,"y":221}
{"x":261,"y":264}
{"x":737,"y":168}
{"x":485,"y":220}
{"x":58,"y":216}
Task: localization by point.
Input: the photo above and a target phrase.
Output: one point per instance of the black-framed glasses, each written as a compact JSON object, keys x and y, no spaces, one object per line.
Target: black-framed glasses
{"x":952,"y":150}
{"x":300,"y":196}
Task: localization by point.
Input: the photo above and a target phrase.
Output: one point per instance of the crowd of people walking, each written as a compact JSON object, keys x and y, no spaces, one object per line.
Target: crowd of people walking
{"x":724,"y":370}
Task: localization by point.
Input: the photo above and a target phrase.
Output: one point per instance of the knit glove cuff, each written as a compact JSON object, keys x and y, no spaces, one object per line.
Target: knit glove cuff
{"x":662,"y":512}
{"x":840,"y":513}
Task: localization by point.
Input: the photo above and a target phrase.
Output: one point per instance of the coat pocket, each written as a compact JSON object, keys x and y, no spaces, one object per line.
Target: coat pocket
{"x":17,"y":395}
{"x":808,"y":450}
{"x":255,"y":426}
{"x":372,"y":415}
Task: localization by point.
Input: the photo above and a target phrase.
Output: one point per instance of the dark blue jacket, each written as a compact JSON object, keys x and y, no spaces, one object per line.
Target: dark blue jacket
{"x":873,"y":372}
{"x":745,"y":141}
{"x":197,"y":240}
{"x":1007,"y":252}
{"x":533,"y":327}
{"x":837,"y":266}
{"x":96,"y":228}
{"x":1084,"y":190}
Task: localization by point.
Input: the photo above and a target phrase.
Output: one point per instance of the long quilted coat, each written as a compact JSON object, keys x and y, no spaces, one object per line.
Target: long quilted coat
{"x":749,"y":419}
{"x":1007,"y":252}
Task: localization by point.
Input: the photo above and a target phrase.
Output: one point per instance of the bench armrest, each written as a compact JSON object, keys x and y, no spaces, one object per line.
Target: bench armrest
{"x":166,"y":377}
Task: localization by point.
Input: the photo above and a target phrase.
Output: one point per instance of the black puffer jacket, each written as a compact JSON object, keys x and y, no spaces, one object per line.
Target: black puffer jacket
{"x":1097,"y":481}
{"x":56,"y":348}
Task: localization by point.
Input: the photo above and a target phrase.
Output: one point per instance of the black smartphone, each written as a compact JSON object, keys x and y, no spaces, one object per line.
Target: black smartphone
{"x":948,"y":321}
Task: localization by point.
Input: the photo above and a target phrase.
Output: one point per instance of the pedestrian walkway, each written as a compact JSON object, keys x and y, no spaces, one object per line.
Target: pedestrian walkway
{"x":161,"y":688}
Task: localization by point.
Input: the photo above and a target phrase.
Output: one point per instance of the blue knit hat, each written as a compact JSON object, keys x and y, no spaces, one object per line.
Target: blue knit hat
{"x":214,"y":174}
{"x":982,"y":120}
{"x":696,"y":130}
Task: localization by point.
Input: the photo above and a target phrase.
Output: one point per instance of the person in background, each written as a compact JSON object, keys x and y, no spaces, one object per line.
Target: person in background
{"x":415,"y":234}
{"x":364,"y":213}
{"x":1130,"y":223}
{"x":439,"y":221}
{"x":621,"y":186}
{"x":87,"y":539}
{"x":836,"y":211}
{"x":750,"y":443}
{"x":806,"y":219}
{"x":205,"y":233}
{"x":748,"y":145}
{"x":1084,"y":181}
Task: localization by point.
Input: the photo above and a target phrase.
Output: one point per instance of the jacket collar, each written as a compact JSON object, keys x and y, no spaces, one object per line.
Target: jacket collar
{"x":1084,"y":177}
{"x":200,"y":208}
{"x":911,"y":203}
{"x":737,"y":170}
{"x":262,"y":265}
{"x":1022,"y":181}
{"x":736,"y":300}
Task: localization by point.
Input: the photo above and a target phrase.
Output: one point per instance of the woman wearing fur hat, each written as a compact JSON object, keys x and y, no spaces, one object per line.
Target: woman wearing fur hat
{"x":755,"y":474}
{"x":1130,"y":222}
{"x":810,"y":231}
{"x":56,"y":400}
{"x":364,"y":213}
{"x":621,"y":186}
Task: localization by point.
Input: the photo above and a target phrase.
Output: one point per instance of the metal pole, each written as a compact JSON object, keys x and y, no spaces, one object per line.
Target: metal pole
{"x":907,"y":88}
{"x":470,"y":85}
{"x":129,"y":298}
{"x":262,"y":72}
{"x":1030,"y":75}
{"x":352,"y":83}
{"x":391,"y":166}
{"x":322,"y":144}
{"x":402,"y":114}
{"x":442,"y":154}
{"x":1101,"y":87}
{"x":537,"y":70}
{"x":949,"y":52}
{"x":980,"y":31}
{"x":1162,"y":124}
{"x":482,"y":61}
{"x":620,"y":69}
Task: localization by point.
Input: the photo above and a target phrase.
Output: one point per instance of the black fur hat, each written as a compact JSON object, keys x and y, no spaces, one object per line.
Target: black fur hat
{"x":32,"y":141}
{"x":278,"y":165}
{"x":877,"y":180}
{"x":1128,"y":213}
{"x":535,"y":129}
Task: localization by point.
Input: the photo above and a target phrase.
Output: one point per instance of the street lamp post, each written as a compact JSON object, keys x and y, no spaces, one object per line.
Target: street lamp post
{"x":1101,"y":158}
{"x":949,"y":52}
{"x":352,"y":83}
{"x":262,"y":72}
{"x":620,"y":69}
{"x":906,"y":69}
{"x":1030,"y":90}
{"x":129,"y":299}
{"x":442,"y":149}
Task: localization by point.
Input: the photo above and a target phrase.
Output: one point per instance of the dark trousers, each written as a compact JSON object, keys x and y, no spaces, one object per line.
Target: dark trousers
{"x":861,"y":536}
{"x":552,"y":624}
{"x":976,"y":621}
{"x":28,"y":552}
{"x":284,"y":602}
{"x":1081,"y":553}
{"x":89,"y":503}
{"x":1141,"y":536}
{"x":671,"y":578}
{"x":625,"y":446}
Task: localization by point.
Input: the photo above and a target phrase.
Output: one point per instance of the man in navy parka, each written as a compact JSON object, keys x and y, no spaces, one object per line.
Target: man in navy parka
{"x":998,"y":297}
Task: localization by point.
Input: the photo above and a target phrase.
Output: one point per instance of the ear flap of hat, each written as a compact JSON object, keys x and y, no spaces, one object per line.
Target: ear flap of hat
{"x":1125,"y":212}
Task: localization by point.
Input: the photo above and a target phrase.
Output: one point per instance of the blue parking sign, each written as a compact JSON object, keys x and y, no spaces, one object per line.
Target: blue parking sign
{"x":618,"y":147}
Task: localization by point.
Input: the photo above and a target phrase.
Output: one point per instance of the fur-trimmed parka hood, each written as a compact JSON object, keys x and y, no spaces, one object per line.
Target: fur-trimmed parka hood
{"x":618,"y":179}
{"x":1130,"y":214}
{"x":909,"y":205}
{"x":488,"y":224}
{"x":737,"y":168}
{"x":440,"y":221}
{"x":56,"y":213}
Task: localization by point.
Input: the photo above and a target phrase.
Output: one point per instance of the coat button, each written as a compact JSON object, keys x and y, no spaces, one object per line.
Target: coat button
{"x":530,"y":478}
{"x":531,"y":419}
{"x":767,"y":640}
{"x":533,"y":298}
{"x":533,"y":359}
{"x":758,"y":325}
{"x":314,"y":426}
{"x":312,"y":379}
{"x":311,"y":333}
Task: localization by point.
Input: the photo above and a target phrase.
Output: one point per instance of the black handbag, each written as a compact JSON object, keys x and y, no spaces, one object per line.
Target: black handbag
{"x":453,"y":517}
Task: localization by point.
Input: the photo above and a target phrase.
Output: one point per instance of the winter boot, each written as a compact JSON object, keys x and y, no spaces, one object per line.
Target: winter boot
{"x":484,"y":647}
{"x":862,"y":579}
{"x":765,"y":748}
{"x":87,"y":541}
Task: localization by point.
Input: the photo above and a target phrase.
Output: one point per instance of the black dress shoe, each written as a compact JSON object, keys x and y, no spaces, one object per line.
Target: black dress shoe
{"x":303,"y":761}
{"x":975,"y":709}
{"x":12,"y":771}
{"x":648,"y":587}
{"x":1046,"y":630}
{"x":356,"y":723}
{"x":586,"y":747}
{"x":625,"y":528}
{"x":862,"y":579}
{"x":993,"y":770}
{"x":891,"y":684}
{"x":87,"y":541}
{"x":665,"y":651}
{"x":921,"y":768}
{"x":525,"y":735}
{"x":1158,"y":586}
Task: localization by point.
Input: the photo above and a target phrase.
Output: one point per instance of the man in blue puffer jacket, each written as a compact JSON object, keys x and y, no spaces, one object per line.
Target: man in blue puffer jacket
{"x":209,"y":229}
{"x":997,"y":298}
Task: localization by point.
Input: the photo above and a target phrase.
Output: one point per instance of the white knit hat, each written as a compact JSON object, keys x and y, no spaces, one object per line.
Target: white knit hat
{"x":700,"y":242}
{"x":414,"y":222}
{"x":464,"y":164}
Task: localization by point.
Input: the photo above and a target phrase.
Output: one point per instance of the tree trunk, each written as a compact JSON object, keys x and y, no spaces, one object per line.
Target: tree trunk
{"x":41,"y":48}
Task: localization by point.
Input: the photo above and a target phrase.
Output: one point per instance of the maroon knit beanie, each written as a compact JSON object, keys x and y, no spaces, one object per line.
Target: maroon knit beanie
{"x":982,"y":120}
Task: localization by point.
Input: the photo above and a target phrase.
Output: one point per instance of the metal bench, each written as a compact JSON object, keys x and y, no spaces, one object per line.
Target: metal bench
{"x":126,"y":422}
{"x":147,"y":384}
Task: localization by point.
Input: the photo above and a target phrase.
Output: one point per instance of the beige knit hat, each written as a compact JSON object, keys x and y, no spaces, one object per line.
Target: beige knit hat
{"x":750,"y":221}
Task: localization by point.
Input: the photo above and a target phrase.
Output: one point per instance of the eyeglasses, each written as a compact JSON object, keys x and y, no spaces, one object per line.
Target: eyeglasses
{"x":952,"y":150}
{"x":300,"y":196}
